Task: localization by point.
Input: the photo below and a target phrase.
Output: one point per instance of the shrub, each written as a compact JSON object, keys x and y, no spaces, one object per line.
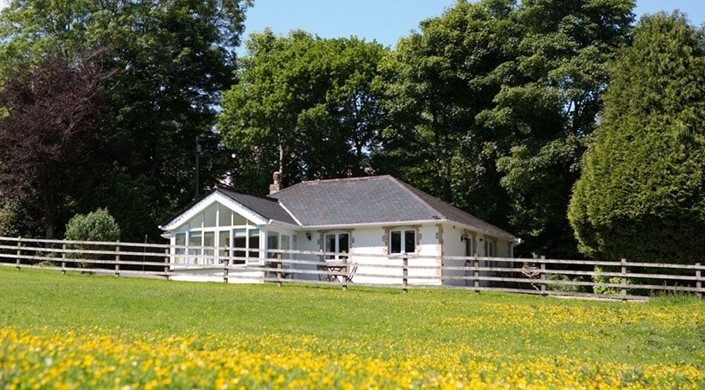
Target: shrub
{"x":96,"y":226}
{"x":562,"y":287}
{"x":607,"y":279}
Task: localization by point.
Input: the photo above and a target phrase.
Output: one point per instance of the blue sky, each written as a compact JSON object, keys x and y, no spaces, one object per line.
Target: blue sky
{"x":387,"y":20}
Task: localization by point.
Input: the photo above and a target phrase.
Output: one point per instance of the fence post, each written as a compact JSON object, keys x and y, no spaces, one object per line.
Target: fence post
{"x":19,"y":252}
{"x":543,"y":276}
{"x":345,"y":276}
{"x":166,"y":268}
{"x":623,"y":292}
{"x":476,"y":274}
{"x":279,"y":269}
{"x":698,"y":281}
{"x":405,"y":274}
{"x":63,"y":259}
{"x":117,"y":260}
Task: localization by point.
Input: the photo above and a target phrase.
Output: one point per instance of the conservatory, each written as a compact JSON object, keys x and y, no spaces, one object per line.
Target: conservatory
{"x":217,"y":231}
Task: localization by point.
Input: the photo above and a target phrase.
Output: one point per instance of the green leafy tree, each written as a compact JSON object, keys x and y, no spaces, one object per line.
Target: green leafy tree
{"x":548,"y":106}
{"x":641,"y":192}
{"x":491,"y":104}
{"x":171,"y":59}
{"x":436,"y":82}
{"x":305,"y":106}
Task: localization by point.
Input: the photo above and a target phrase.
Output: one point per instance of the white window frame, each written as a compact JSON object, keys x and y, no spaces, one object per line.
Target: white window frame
{"x":338,"y":253}
{"x":490,"y":248}
{"x":402,"y":246}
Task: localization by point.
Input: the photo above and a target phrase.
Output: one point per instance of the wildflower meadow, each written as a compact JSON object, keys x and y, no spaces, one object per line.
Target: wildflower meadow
{"x":77,"y":331}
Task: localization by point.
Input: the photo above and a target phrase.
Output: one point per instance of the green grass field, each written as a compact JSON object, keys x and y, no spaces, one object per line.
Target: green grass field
{"x":76,"y":330}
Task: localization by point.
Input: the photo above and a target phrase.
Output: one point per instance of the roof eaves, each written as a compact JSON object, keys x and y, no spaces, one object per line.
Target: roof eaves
{"x":373,"y":224}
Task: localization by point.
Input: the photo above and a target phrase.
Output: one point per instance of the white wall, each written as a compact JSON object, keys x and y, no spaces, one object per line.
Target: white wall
{"x":369,"y":251}
{"x":454,"y":246}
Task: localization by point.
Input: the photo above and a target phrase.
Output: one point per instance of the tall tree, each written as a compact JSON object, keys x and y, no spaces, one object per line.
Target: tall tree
{"x":436,"y":82}
{"x":491,"y":103}
{"x":50,"y":139}
{"x":173,"y":57}
{"x":549,"y":106}
{"x":641,"y":194}
{"x":305,"y":106}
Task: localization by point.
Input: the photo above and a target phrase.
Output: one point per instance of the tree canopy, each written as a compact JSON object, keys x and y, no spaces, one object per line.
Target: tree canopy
{"x":490,"y":105}
{"x":305,"y":106}
{"x":169,"y":61}
{"x":51,"y":137}
{"x":641,"y":194}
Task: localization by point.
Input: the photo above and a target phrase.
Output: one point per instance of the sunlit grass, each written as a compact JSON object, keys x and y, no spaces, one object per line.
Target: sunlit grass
{"x":87,"y":331}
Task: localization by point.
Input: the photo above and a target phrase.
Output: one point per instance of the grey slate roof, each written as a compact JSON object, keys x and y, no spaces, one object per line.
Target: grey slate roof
{"x":267,"y":207}
{"x":355,"y":201}
{"x":371,"y":200}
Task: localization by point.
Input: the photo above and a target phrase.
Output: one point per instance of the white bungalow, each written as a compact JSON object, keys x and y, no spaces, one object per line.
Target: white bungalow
{"x":373,"y":220}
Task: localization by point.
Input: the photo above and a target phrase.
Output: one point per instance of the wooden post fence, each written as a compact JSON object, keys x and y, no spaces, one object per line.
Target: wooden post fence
{"x":19,"y":252}
{"x":117,"y":259}
{"x":476,"y":275}
{"x":166,"y":260}
{"x":405,"y":274}
{"x":698,"y":281}
{"x":63,"y":259}
{"x":623,"y":292}
{"x":279,"y":269}
{"x":543,"y":276}
{"x":345,"y":276}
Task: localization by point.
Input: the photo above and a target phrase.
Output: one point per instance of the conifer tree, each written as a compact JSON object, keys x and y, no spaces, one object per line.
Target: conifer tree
{"x":641,"y":194}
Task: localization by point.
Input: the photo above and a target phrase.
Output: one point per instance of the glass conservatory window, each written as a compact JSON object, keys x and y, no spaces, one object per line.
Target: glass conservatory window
{"x":209,"y":216}
{"x":225,"y":216}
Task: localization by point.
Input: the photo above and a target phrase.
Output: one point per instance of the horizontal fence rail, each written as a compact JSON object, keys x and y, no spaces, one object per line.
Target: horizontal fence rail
{"x":619,"y":279}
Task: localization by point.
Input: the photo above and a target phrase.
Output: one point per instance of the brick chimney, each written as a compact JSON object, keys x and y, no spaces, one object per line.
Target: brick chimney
{"x":277,"y":183}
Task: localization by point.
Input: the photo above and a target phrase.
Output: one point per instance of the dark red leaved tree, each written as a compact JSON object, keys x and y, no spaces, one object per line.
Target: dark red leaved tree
{"x":50,"y":138}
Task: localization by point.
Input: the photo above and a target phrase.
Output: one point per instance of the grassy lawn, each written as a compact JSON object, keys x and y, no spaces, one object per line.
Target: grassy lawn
{"x":93,"y":331}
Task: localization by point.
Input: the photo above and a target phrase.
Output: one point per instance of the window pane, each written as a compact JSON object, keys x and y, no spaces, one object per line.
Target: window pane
{"x":253,"y":241}
{"x":196,"y":222}
{"x":240,"y":244}
{"x":285,"y":243}
{"x":180,"y":241}
{"x":343,"y":243}
{"x":224,"y":216}
{"x":209,"y":216}
{"x":469,"y":250}
{"x":409,"y":241}
{"x":395,"y":242}
{"x":489,"y":248}
{"x":209,"y":244}
{"x":272,"y":243}
{"x":224,"y":244}
{"x":239,"y":220}
{"x":194,"y":243}
{"x":330,"y":245}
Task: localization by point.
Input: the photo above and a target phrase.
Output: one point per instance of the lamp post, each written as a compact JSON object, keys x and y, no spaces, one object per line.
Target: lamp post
{"x":197,"y":184}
